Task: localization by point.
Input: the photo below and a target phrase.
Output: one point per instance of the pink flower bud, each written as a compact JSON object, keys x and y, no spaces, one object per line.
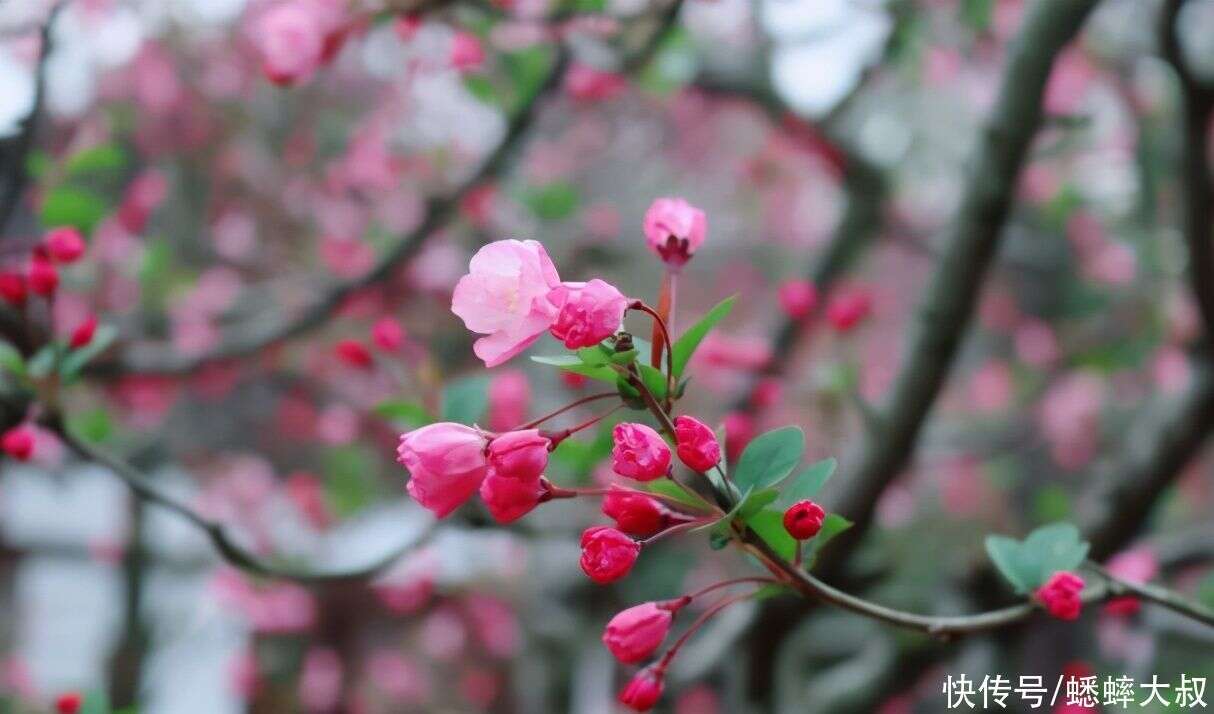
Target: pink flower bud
{"x":589,"y":312}
{"x":509,"y":499}
{"x":634,"y":634}
{"x":674,"y":230}
{"x":42,"y":277}
{"x":388,"y":335}
{"x":848,"y":308}
{"x":466,"y":51}
{"x":803,"y":520}
{"x":521,"y":455}
{"x":798,"y":298}
{"x":505,"y":297}
{"x":634,"y":513}
{"x":18,"y":443}
{"x":64,"y":244}
{"x":354,"y":353}
{"x":1060,"y":595}
{"x":83,"y":334}
{"x":446,"y":464}
{"x":607,"y":554}
{"x":587,"y":84}
{"x":639,"y":452}
{"x":406,"y":25}
{"x":645,"y":689}
{"x":697,"y":445}
{"x":12,"y":288}
{"x":509,"y":399}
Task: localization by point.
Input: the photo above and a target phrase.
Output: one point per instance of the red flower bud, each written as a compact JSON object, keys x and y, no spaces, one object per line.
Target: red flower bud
{"x":797,"y":298}
{"x":697,"y":445}
{"x":83,"y":334}
{"x":64,"y":244}
{"x":18,"y":443}
{"x":521,"y":455}
{"x":847,"y":309}
{"x":607,"y":554}
{"x":42,"y":277}
{"x":639,"y":452}
{"x":803,"y":520}
{"x":634,"y":634}
{"x":12,"y":288}
{"x":509,"y":499}
{"x":634,"y":513}
{"x":645,"y":689}
{"x":1060,"y":595}
{"x":354,"y":353}
{"x":388,"y":335}
{"x":68,"y":703}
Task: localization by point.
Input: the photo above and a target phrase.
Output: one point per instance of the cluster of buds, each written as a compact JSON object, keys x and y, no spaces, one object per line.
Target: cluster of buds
{"x":40,"y":274}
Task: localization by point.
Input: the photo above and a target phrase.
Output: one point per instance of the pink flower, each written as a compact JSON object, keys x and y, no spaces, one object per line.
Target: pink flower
{"x":446,"y":464}
{"x":633,"y":634}
{"x":587,"y":84}
{"x":466,"y":51}
{"x":848,"y":308}
{"x":697,"y":445}
{"x":18,"y":443}
{"x":589,"y":312}
{"x":675,"y":230}
{"x":607,"y":554}
{"x":504,"y":296}
{"x":509,"y":398}
{"x":291,"y":39}
{"x":645,"y":689}
{"x":509,"y":499}
{"x":520,"y":455}
{"x":64,"y":244}
{"x":1060,"y":595}
{"x":388,"y":335}
{"x":639,"y":452}
{"x":803,"y":520}
{"x":12,"y":288}
{"x":798,"y":298}
{"x":83,"y":334}
{"x":634,"y":513}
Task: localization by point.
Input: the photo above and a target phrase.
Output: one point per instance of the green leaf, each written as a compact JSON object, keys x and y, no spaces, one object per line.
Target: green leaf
{"x":594,"y":356}
{"x":481,"y":87}
{"x":769,"y":458}
{"x":350,"y":478}
{"x":669,"y":488}
{"x":807,"y":483}
{"x":769,"y":525}
{"x":757,"y":501}
{"x":403,"y":412}
{"x":43,"y":361}
{"x":1029,"y":563}
{"x":722,"y":523}
{"x":624,"y":358}
{"x":102,"y":158}
{"x":465,"y":400}
{"x":686,"y":345}
{"x":977,"y":13}
{"x":554,"y":201}
{"x":77,"y":359}
{"x":653,"y":379}
{"x":572,"y":363}
{"x":528,"y":69}
{"x":769,"y":591}
{"x":1006,"y":554}
{"x":70,"y":206}
{"x":11,"y":359}
{"x":94,"y":425}
{"x":832,"y":525}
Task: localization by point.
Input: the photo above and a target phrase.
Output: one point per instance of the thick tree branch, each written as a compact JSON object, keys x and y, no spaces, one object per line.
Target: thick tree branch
{"x":954,"y":287}
{"x":14,"y":151}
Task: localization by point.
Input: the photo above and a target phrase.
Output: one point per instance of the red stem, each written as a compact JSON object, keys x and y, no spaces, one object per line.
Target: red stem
{"x":660,"y":326}
{"x":562,"y":410}
{"x":697,"y":624}
{"x":727,"y":583}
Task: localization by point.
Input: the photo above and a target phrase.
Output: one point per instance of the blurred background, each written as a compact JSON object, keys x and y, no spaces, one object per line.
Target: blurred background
{"x":248,"y":223}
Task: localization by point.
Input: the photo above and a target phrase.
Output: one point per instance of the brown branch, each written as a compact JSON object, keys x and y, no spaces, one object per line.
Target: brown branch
{"x":230,"y":550}
{"x":14,"y":153}
{"x":953,"y":289}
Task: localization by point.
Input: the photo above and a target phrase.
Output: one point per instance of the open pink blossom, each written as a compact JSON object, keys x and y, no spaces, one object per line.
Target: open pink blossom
{"x":446,"y":464}
{"x":296,"y":37}
{"x":589,"y":312}
{"x":675,"y":230}
{"x":505,"y":297}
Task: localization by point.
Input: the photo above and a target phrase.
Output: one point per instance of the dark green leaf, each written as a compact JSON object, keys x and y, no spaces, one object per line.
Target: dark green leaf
{"x":769,"y":525}
{"x":832,"y":525}
{"x":1029,"y":563}
{"x":686,"y":345}
{"x":758,"y":501}
{"x":1006,"y":554}
{"x":807,"y":483}
{"x":769,"y":458}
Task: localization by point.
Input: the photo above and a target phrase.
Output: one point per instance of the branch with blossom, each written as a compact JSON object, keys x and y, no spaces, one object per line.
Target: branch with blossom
{"x":513,"y":295}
